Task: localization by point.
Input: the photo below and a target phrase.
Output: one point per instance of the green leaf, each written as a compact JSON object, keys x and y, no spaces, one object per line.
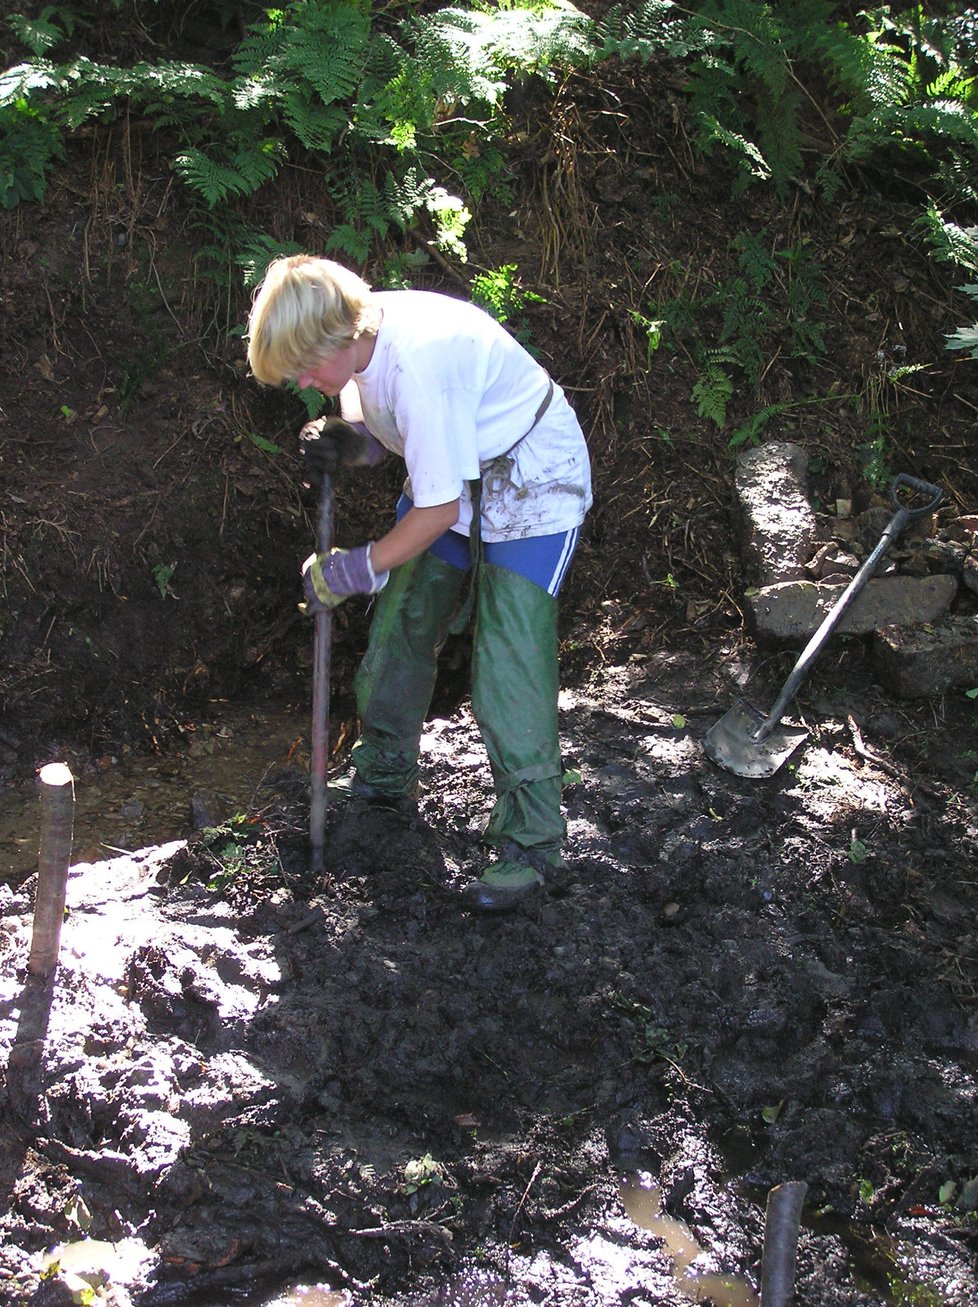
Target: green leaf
{"x":770,"y":1114}
{"x":269,"y":446}
{"x":679,"y":721}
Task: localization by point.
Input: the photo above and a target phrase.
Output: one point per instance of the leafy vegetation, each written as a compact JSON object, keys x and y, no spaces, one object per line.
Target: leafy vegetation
{"x":405,"y":117}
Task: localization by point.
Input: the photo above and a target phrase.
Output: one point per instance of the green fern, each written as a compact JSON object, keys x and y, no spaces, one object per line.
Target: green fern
{"x":966,"y":337}
{"x":30,"y":144}
{"x":749,"y":157}
{"x":256,"y":251}
{"x":42,"y":33}
{"x":526,"y":38}
{"x":656,"y":27}
{"x":714,"y":387}
{"x":959,"y":246}
{"x":923,"y":128}
{"x":320,"y":46}
{"x":947,"y":241}
{"x":216,"y":180}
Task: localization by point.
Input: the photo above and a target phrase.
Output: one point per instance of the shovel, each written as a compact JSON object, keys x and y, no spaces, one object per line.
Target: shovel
{"x":322,"y":645}
{"x":746,"y":742}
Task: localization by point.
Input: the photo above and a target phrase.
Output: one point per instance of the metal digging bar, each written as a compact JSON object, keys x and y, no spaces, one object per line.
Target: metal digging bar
{"x":746,"y":742}
{"x":322,"y":648}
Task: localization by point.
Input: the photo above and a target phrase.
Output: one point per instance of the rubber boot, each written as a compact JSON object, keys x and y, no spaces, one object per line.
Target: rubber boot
{"x":514,"y":700}
{"x":396,"y":679}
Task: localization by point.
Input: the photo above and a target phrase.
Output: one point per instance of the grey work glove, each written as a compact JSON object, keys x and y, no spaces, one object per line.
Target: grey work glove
{"x":330,"y":578}
{"x":330,"y":443}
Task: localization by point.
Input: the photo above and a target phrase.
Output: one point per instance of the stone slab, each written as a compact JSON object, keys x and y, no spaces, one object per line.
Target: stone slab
{"x":794,"y":610}
{"x":917,"y":663}
{"x":779,"y":526}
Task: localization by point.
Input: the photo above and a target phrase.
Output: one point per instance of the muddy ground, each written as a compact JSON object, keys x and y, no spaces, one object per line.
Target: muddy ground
{"x":251,"y":1077}
{"x":351,"y":1082}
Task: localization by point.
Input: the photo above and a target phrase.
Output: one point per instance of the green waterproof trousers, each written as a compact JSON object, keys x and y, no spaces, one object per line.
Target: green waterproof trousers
{"x":514,"y":692}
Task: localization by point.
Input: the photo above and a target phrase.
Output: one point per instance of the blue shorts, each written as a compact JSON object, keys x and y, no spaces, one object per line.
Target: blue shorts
{"x":544,"y":560}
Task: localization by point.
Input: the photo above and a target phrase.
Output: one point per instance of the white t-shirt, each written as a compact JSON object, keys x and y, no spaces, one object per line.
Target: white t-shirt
{"x":452,"y":392}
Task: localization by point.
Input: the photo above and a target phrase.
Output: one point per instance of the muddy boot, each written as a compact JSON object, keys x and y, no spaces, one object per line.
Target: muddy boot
{"x":351,"y":786}
{"x":396,"y":679}
{"x":516,"y":879}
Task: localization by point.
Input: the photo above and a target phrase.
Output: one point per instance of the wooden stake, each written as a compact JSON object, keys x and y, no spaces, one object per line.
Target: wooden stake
{"x":54,"y":857}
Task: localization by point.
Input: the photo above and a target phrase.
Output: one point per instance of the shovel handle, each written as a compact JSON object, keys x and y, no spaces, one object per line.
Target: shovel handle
{"x":903,"y":481}
{"x":813,"y":648}
{"x":322,"y":647}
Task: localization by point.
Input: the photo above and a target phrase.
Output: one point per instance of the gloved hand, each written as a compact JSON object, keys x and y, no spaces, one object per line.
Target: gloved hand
{"x":330,"y":578}
{"x":330,"y":443}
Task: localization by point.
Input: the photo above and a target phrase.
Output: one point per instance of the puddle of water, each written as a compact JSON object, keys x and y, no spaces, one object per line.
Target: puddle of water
{"x":296,"y":1295}
{"x":642,"y":1201}
{"x":469,"y":1289}
{"x":309,"y":1295}
{"x":131,"y":801}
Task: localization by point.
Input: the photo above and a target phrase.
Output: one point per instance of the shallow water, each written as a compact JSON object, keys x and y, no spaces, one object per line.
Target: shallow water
{"x":132,"y":800}
{"x":642,"y":1201}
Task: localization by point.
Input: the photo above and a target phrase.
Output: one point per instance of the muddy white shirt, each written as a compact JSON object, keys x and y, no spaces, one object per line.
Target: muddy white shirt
{"x":454,"y":394}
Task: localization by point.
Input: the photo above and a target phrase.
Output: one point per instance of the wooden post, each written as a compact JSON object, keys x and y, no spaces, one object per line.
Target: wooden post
{"x":54,"y":857}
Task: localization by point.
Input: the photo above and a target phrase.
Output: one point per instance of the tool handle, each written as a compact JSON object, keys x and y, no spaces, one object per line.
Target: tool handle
{"x":903,"y":481}
{"x":845,"y":601}
{"x":322,"y":643}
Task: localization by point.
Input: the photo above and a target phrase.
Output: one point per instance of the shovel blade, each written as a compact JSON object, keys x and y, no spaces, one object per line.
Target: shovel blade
{"x":732,"y":742}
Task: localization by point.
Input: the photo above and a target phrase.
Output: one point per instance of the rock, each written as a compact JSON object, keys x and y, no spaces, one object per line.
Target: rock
{"x":832,"y":558}
{"x":779,"y":523}
{"x":945,"y":556}
{"x":795,"y":609}
{"x":964,"y":528}
{"x":208,"y":809}
{"x":969,"y":573}
{"x":917,"y":663}
{"x":871,"y":524}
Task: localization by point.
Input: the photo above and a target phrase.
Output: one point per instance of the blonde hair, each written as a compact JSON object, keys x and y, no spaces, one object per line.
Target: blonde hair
{"x":305,"y":309}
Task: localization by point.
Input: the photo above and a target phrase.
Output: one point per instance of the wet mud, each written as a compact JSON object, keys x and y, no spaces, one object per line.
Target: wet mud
{"x":244,"y":1078}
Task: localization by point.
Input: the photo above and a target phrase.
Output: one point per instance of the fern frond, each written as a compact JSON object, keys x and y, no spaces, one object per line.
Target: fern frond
{"x":714,"y":387}
{"x":749,"y":156}
{"x":347,"y":241}
{"x":216,"y":180}
{"x":755,"y":39}
{"x":256,"y":251}
{"x":948,"y":242}
{"x":964,"y":338}
{"x":89,"y":90}
{"x":527,"y":38}
{"x":888,"y":76}
{"x":24,"y":80}
{"x":948,"y":122}
{"x":315,"y":124}
{"x":653,"y":28}
{"x":29,"y":145}
{"x":321,"y":45}
{"x":39,"y":34}
{"x":175,"y":81}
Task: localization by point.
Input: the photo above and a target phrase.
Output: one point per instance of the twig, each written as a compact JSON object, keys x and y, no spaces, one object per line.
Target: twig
{"x":520,"y":1205}
{"x":405,"y":1228}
